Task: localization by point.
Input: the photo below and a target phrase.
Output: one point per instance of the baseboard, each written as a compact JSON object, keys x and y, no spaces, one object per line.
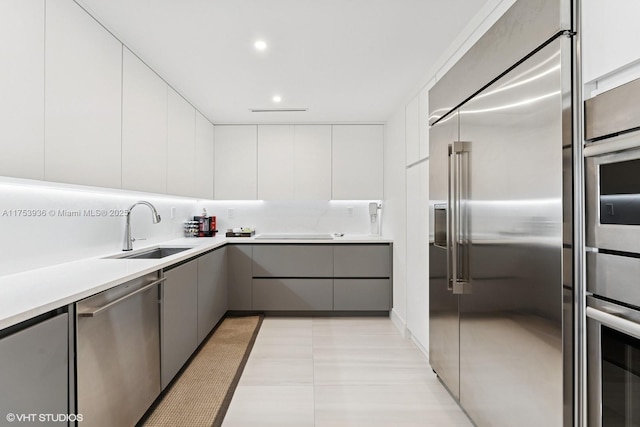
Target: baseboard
{"x":399,"y":323}
{"x":420,"y":346}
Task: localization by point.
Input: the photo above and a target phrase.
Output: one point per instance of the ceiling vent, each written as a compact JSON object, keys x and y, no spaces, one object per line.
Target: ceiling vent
{"x":277,"y":110}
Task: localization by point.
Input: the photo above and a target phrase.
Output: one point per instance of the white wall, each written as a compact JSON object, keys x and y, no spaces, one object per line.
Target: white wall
{"x":394,"y":219}
{"x":292,"y":216}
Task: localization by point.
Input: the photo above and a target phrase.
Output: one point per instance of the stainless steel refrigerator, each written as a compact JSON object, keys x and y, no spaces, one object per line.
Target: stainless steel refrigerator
{"x":500,"y":286}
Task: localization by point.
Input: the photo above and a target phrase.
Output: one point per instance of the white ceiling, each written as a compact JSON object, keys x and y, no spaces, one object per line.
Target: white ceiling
{"x":345,"y":60}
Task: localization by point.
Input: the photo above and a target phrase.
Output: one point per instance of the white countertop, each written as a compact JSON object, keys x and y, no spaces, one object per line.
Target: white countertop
{"x":34,"y":292}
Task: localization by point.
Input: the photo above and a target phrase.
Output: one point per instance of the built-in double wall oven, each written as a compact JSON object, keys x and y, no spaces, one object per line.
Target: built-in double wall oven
{"x":612,"y":173}
{"x":613,"y":362}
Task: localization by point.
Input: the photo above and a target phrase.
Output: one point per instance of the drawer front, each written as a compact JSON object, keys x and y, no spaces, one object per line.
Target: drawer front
{"x":362,"y":261}
{"x":292,"y":261}
{"x":292,"y":294}
{"x":362,"y":294}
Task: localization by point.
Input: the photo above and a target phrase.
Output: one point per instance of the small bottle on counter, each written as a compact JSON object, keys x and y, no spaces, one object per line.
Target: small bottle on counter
{"x":204,"y":224}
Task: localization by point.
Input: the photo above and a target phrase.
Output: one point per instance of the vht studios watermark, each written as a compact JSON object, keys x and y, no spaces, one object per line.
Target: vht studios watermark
{"x":62,"y":213}
{"x":43,"y":418}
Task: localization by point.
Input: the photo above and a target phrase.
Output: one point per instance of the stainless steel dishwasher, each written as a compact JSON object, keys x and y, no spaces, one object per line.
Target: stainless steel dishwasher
{"x":118,"y":352}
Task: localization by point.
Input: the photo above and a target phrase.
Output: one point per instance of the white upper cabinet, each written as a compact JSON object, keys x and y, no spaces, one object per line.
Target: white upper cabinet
{"x":412,"y":130}
{"x":294,"y":162}
{"x":357,"y":162}
{"x":204,"y":157}
{"x":312,"y":162}
{"x":236,"y":155}
{"x":144,"y":127}
{"x":275,"y":162}
{"x":22,"y":88}
{"x":83,"y":100}
{"x":610,"y":34}
{"x":181,"y":136}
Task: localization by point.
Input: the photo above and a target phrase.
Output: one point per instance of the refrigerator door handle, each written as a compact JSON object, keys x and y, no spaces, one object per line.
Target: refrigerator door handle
{"x":451,"y":252}
{"x":458,"y":220}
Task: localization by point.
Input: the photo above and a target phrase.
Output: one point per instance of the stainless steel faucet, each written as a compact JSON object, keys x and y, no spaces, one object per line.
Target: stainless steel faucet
{"x":128,"y":240}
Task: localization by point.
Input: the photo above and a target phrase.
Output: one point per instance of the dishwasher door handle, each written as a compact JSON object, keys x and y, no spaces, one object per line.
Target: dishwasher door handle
{"x":96,"y":311}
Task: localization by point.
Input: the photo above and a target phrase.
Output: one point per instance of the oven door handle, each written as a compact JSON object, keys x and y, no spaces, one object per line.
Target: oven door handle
{"x":619,"y":324}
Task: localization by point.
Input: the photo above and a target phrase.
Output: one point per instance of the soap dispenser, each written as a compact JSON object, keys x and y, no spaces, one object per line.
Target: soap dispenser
{"x":374,"y":207}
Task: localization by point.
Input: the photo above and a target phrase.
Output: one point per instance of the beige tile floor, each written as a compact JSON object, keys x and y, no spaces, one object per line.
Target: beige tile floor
{"x":338,"y":372}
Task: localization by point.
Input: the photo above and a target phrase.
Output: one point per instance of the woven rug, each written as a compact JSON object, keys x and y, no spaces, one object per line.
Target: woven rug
{"x":201,"y":395}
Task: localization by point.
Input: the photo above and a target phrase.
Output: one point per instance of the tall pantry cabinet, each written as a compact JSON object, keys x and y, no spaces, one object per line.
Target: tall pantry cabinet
{"x":82,"y":98}
{"x":22,"y":88}
{"x":181,"y":144}
{"x":144,"y":127}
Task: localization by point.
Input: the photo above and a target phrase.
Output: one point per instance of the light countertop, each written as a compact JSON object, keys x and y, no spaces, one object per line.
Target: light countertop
{"x":31,"y":293}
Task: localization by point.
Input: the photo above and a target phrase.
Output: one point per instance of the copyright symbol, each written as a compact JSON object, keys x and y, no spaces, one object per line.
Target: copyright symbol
{"x":11,"y":417}
{"x":52,"y":212}
{"x":103,"y":212}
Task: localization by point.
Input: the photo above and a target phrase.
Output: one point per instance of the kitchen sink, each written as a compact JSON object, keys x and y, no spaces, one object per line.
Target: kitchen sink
{"x":154,"y":253}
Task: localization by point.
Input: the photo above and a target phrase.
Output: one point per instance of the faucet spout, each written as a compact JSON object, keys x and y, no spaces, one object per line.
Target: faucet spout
{"x":128,"y":240}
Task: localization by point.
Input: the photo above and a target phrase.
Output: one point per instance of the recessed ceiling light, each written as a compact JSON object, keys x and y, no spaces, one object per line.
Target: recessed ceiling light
{"x":277,"y":99}
{"x":260,"y":44}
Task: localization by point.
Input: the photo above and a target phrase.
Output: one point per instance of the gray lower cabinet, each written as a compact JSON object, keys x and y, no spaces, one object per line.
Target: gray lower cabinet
{"x":310,"y":277}
{"x":362,"y":277}
{"x":292,"y":294}
{"x":179,"y":319}
{"x":34,"y":373}
{"x":292,"y":260}
{"x":362,"y":260}
{"x":361,"y":294}
{"x":239,"y":259}
{"x":212,"y":290}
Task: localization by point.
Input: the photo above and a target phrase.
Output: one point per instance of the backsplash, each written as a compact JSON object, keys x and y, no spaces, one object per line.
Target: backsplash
{"x":43,"y":224}
{"x":351,"y":217}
